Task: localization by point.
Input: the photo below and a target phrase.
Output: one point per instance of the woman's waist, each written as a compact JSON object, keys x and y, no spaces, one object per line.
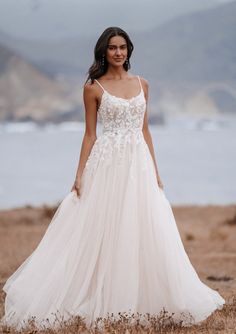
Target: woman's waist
{"x":122,"y":131}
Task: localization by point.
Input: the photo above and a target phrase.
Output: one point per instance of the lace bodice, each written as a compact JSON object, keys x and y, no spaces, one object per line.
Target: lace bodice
{"x":118,"y":114}
{"x":122,"y":121}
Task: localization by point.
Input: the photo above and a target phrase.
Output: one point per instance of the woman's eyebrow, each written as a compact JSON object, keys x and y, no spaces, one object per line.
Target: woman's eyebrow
{"x":116,"y":45}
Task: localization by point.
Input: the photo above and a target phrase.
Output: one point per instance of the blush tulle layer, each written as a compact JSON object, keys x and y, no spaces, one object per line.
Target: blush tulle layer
{"x":115,"y":249}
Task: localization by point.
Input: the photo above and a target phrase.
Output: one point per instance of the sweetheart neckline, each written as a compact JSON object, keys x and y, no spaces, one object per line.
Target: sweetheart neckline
{"x":117,"y":97}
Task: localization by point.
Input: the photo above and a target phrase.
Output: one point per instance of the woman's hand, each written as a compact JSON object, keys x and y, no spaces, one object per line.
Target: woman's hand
{"x":76,"y":187}
{"x":160,"y":184}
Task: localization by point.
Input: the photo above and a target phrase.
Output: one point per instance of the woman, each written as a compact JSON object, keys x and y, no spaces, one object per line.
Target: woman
{"x":113,"y":244}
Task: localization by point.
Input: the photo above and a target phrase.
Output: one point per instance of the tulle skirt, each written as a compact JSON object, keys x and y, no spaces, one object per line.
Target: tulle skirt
{"x":115,"y":249}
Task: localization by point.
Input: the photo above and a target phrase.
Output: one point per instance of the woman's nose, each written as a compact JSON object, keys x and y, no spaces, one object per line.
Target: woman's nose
{"x":118,"y":51}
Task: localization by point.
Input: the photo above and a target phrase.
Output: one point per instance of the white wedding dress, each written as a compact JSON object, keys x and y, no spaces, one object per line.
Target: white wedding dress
{"x":116,"y":248}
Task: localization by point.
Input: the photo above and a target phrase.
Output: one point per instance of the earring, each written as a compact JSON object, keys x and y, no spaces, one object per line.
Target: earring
{"x":127,"y":61}
{"x":103,"y":61}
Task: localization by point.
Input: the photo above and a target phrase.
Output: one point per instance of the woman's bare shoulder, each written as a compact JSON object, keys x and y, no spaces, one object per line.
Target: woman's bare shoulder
{"x":144,"y":82}
{"x":91,"y":89}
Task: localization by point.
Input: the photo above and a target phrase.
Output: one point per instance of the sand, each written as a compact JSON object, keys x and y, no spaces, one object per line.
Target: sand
{"x":208,"y":234}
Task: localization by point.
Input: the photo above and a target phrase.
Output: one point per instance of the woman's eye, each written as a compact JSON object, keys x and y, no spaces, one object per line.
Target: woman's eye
{"x":123,"y":47}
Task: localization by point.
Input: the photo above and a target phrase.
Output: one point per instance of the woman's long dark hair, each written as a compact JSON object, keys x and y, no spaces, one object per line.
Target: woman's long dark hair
{"x":98,"y":69}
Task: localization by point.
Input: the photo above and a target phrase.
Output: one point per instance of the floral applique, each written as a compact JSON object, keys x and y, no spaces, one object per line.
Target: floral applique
{"x":122,"y":121}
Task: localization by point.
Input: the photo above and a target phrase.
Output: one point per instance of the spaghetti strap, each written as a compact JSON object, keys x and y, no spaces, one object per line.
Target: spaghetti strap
{"x":99,"y":84}
{"x":104,"y":90}
{"x":140,"y":82}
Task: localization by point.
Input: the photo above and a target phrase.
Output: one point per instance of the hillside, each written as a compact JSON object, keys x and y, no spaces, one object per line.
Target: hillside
{"x":193,"y":47}
{"x":192,"y":59}
{"x":189,"y":61}
{"x":198,"y":47}
{"x":26,"y":93}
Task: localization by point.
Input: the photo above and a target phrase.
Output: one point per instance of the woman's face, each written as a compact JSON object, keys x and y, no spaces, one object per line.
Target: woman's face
{"x":117,"y":51}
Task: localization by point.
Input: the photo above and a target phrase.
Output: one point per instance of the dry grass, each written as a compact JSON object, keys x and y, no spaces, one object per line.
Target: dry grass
{"x":222,"y":321}
{"x":209,"y":236}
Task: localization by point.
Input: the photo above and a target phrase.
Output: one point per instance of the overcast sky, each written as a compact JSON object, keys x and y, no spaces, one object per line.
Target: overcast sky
{"x":52,"y":19}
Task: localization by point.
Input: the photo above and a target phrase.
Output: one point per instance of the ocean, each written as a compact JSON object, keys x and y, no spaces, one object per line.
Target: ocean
{"x":196,"y":158}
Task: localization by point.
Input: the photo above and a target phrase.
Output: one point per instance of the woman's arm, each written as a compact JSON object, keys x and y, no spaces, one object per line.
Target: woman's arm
{"x":147,"y":134}
{"x":90,"y":104}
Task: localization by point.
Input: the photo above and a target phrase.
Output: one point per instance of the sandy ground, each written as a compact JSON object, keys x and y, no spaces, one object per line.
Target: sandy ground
{"x":208,"y":234}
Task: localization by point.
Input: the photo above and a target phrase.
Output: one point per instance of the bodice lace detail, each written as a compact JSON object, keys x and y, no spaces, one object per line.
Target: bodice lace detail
{"x":122,"y":121}
{"x":117,"y":114}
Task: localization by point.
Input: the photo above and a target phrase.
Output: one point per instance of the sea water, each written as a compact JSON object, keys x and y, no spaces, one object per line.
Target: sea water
{"x":196,"y":159}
